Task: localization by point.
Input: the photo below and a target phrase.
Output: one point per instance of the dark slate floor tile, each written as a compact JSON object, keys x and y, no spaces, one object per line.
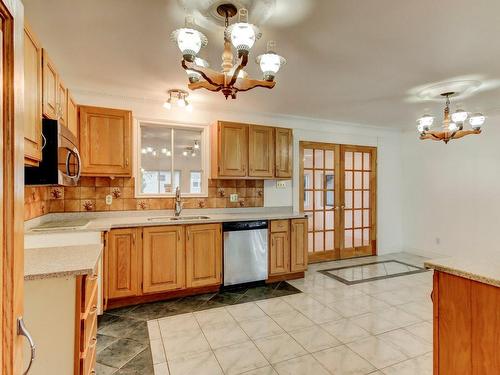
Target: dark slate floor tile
{"x":121,"y":328}
{"x":104,"y":341}
{"x":226,"y":298}
{"x":121,"y":311}
{"x":260,"y":292}
{"x":139,"y":333}
{"x":286,"y":286}
{"x":141,"y":364}
{"x":120,"y":352}
{"x":154,"y":310}
{"x":105,"y":319}
{"x":101,"y":369}
{"x":211,"y":305}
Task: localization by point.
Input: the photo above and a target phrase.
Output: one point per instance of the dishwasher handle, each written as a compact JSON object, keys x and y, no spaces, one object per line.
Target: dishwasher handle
{"x":233,"y":226}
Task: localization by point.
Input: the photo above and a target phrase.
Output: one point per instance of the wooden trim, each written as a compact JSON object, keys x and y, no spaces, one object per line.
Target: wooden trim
{"x":435,"y":325}
{"x":284,"y":277}
{"x":127,"y":301}
{"x":78,"y":328}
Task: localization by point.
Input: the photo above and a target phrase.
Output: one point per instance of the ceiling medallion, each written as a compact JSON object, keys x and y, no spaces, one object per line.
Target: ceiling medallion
{"x":242,"y":35}
{"x":453,"y":125}
{"x":179,"y":97}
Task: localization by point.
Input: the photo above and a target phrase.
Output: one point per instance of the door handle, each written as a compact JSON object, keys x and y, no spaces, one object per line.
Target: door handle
{"x":23,"y":331}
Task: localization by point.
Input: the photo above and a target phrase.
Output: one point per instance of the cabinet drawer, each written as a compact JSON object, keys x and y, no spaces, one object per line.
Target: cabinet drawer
{"x":87,"y":363}
{"x":89,"y":292}
{"x":279,"y":226}
{"x":89,"y":329}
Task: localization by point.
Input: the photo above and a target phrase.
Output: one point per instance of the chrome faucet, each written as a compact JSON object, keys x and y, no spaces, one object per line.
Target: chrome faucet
{"x":178,"y":202}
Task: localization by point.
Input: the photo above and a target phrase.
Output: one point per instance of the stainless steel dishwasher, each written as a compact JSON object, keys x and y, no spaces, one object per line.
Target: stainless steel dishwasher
{"x":245,"y":251}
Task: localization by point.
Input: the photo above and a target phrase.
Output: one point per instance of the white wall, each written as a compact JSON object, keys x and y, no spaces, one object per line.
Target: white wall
{"x":452,"y":193}
{"x":386,"y":140}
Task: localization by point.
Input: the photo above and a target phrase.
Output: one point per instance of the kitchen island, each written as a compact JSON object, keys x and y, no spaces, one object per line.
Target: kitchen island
{"x":466,"y":299}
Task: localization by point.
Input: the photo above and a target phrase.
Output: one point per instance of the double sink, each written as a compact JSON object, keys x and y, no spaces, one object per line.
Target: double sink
{"x":177,"y":218}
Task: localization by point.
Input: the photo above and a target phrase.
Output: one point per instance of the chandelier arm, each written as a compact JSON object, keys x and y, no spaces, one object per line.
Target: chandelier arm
{"x":211,"y":76}
{"x":248,"y":84}
{"x":463,"y":133}
{"x":204,"y":85}
{"x":241,"y":65}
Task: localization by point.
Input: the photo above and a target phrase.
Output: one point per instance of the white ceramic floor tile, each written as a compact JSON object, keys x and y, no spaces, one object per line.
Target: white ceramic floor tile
{"x":274,"y":306}
{"x":343,"y":361}
{"x":172,"y":324}
{"x":245,"y":311}
{"x":416,"y":366}
{"x":345,"y":330}
{"x":423,"y":310}
{"x":291,"y":321}
{"x":314,"y":338}
{"x":374,"y":324}
{"x":306,"y":364}
{"x":196,"y":364}
{"x":236,"y":359}
{"x":303,"y":300}
{"x":213,"y":316}
{"x":379,"y":353}
{"x":279,"y":348}
{"x":358,"y":305}
{"x":267,"y":370}
{"x":184,"y":343}
{"x":153,"y":329}
{"x":407,"y":343}
{"x":320,"y":314}
{"x":157,"y":351}
{"x":161,"y":369}
{"x":423,"y":330}
{"x":262,"y":327}
{"x":398,"y":316}
{"x":224,"y":334}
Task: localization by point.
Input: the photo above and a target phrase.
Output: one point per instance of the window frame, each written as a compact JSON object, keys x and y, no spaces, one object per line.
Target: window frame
{"x":205,"y":156}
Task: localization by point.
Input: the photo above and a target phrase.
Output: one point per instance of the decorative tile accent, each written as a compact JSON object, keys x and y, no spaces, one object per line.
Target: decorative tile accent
{"x":90,"y":195}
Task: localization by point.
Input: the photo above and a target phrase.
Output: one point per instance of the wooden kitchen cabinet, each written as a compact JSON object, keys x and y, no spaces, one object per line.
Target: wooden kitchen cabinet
{"x":230,"y":150}
{"x":203,"y":255}
{"x":32,"y":98}
{"x":50,"y":88}
{"x":72,"y":113}
{"x":466,"y":326}
{"x":261,"y":151}
{"x":279,"y":251}
{"x":62,"y":103}
{"x":123,"y":263}
{"x":284,"y":153}
{"x":298,"y":245}
{"x":105,"y":137}
{"x":163,"y":259}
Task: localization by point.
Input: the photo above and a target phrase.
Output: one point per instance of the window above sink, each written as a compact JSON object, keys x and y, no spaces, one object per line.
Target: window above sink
{"x":171,"y":155}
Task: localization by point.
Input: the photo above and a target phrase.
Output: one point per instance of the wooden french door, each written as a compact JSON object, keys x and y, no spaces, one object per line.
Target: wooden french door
{"x":338,"y":193}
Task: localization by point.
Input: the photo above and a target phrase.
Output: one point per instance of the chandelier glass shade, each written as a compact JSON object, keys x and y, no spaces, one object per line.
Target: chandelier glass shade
{"x":452,"y":125}
{"x":232,"y":79}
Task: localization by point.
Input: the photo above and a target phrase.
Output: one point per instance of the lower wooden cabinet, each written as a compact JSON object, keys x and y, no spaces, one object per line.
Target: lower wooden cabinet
{"x":288,"y":247}
{"x":163,"y":259}
{"x":203,"y":255}
{"x":123,"y":259}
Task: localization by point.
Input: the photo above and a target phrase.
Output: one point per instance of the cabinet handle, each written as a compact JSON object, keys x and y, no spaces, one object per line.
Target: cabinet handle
{"x":23,"y":331}
{"x":126,"y":162}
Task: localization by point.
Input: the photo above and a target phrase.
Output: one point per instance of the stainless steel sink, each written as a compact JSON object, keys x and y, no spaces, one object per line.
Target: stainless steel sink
{"x":177,"y":218}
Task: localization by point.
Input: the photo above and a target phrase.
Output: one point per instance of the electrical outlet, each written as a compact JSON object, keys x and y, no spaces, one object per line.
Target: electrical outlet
{"x":233,"y":198}
{"x":280,"y":184}
{"x":109,"y":199}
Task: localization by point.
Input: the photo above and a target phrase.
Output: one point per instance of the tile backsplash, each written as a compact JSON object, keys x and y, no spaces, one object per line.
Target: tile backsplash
{"x":90,"y":195}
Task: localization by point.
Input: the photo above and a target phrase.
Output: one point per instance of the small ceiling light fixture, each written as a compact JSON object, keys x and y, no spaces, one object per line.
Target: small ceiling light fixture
{"x":453,"y":124}
{"x":196,"y":145}
{"x":242,"y":35}
{"x":178,"y":97}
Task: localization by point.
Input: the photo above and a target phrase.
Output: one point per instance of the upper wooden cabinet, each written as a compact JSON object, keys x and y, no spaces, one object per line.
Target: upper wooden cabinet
{"x":251,"y":151}
{"x":284,"y":152}
{"x":123,"y":254}
{"x":163,"y":259}
{"x":50,"y":95}
{"x":203,"y":255}
{"x":72,"y":112}
{"x":62,"y":103}
{"x":261,"y":151}
{"x":32,"y":98}
{"x":105,"y":141}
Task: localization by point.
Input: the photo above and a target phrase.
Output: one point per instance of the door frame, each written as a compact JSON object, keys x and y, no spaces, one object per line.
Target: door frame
{"x":12,"y":185}
{"x":339,"y":202}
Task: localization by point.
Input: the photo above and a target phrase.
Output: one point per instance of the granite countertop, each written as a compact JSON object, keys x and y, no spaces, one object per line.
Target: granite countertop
{"x":60,"y":261}
{"x":485,"y":269}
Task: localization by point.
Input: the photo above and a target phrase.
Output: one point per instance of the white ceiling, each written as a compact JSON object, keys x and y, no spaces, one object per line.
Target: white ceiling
{"x":356,"y":61}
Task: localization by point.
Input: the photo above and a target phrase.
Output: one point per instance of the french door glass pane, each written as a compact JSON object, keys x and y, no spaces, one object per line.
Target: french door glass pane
{"x":308,"y":158}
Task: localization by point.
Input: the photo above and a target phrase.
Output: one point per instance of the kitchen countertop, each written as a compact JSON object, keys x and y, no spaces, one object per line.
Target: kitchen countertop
{"x":484,"y":270}
{"x":61,"y":261}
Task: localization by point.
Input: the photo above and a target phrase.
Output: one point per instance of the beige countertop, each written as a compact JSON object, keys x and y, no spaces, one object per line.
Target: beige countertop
{"x":61,"y":261}
{"x":484,"y":269}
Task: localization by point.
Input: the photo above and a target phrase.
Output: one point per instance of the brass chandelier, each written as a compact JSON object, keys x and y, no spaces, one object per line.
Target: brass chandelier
{"x":453,"y":124}
{"x":232,"y":79}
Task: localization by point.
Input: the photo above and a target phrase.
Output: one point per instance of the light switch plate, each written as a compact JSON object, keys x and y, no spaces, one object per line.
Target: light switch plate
{"x":280,"y":184}
{"x":233,"y":198}
{"x":109,"y":199}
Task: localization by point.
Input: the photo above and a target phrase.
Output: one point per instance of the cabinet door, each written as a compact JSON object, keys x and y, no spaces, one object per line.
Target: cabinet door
{"x":32,"y":98}
{"x":72,"y":115}
{"x":260,"y":151}
{"x":163,"y":259}
{"x":284,"y":152}
{"x":50,"y":87}
{"x":279,"y":257}
{"x":62,"y":103}
{"x":203,"y":255}
{"x":123,"y":263}
{"x":298,"y":245}
{"x":105,"y":141}
{"x":232,"y":149}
